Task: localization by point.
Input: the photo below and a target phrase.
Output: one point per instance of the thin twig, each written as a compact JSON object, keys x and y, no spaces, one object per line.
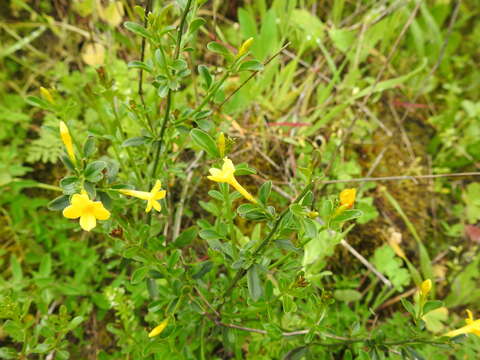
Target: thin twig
{"x":397,"y":178}
{"x":253,"y":75}
{"x":366,"y":263}
{"x":142,"y":57}
{"x":177,"y":223}
{"x":169,"y":95}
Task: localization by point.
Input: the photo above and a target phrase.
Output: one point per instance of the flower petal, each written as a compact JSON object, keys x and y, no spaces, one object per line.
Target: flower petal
{"x":216,"y":179}
{"x":80,"y":199}
{"x":160,"y":195}
{"x":156,"y":205}
{"x":156,"y":187}
{"x":149,"y":206}
{"x":88,"y":222}
{"x":469,"y":320}
{"x":72,"y":212}
{"x":138,"y":194}
{"x":215,"y":172}
{"x":228,"y":166}
{"x":99,"y":211}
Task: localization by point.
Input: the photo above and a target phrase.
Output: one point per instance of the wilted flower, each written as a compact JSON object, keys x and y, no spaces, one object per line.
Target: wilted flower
{"x":226,"y":175}
{"x":87,"y":210}
{"x":152,"y":197}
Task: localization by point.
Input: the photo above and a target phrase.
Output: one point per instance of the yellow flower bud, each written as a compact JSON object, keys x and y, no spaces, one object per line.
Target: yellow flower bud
{"x":312,"y":214}
{"x":425,"y":287}
{"x":67,"y":140}
{"x":46,"y":95}
{"x":245,"y":47}
{"x":347,"y":197}
{"x":221,"y":144}
{"x":158,"y":329}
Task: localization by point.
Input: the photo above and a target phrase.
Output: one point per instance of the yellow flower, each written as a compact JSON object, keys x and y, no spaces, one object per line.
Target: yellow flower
{"x":67,"y":140}
{"x":87,"y":210}
{"x":245,"y":47}
{"x":472,"y":327}
{"x":425,"y":287}
{"x":158,"y":329}
{"x":347,"y":198}
{"x":226,"y":175}
{"x":46,"y":95}
{"x":152,"y":197}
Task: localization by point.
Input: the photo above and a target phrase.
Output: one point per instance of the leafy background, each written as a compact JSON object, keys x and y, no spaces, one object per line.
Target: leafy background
{"x":403,"y":87}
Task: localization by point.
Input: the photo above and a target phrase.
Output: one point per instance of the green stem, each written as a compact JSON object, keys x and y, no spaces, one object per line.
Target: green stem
{"x":166,"y":118}
{"x":210,"y":94}
{"x":241,"y":273}
{"x":48,"y":187}
{"x":129,"y":152}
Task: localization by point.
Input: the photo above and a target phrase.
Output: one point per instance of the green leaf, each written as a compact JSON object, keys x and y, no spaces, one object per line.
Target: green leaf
{"x":255,"y":288}
{"x":135,"y":141}
{"x":186,"y":237}
{"x":140,"y":65}
{"x":408,"y":306}
{"x":90,"y":146}
{"x":204,"y":269}
{"x":93,"y":171}
{"x":70,"y":184}
{"x":15,"y":329}
{"x":77,"y":320}
{"x":218,"y":48}
{"x":196,"y":24}
{"x":173,"y":259}
{"x":45,"y":266}
{"x":139,"y":274}
{"x":209,"y":234}
{"x":8,"y":353}
{"x":205,"y":74}
{"x":297,"y":353}
{"x":205,"y":142}
{"x":244,"y":169}
{"x":386,"y":261}
{"x":342,"y":39}
{"x":67,"y":162}
{"x":265,"y":191}
{"x":390,"y":83}
{"x":16,"y":268}
{"x":251,"y":65}
{"x":347,"y":215}
{"x":347,"y":295}
{"x":36,"y":101}
{"x":138,"y":29}
{"x":152,"y":288}
{"x":59,"y":203}
{"x":432,"y":305}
